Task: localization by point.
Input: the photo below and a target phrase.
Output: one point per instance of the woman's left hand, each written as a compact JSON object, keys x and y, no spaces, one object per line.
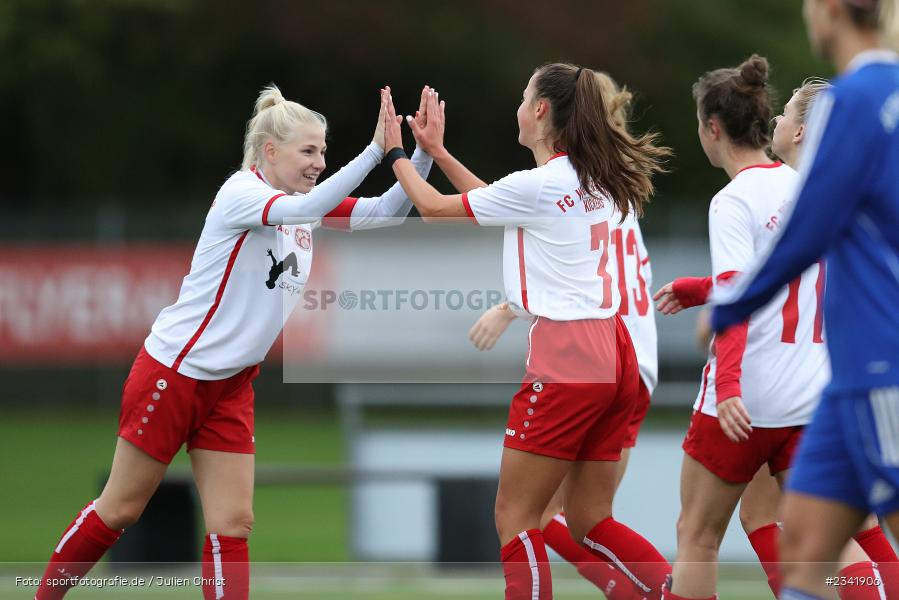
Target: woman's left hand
{"x":393,"y":133}
{"x":490,"y":326}
{"x":734,"y":419}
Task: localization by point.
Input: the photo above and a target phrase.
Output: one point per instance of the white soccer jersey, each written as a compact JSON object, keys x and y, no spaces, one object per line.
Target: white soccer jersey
{"x":635,"y":289}
{"x":785,"y":364}
{"x":251,"y":263}
{"x":556,"y":256}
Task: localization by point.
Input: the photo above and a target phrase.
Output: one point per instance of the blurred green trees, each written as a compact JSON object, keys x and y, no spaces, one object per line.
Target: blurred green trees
{"x":137,"y":99}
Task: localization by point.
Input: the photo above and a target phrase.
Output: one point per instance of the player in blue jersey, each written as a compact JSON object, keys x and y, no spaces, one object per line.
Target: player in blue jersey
{"x":848,"y":213}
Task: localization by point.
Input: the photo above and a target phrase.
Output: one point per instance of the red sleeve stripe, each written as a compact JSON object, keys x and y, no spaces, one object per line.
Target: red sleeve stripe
{"x":339,"y":218}
{"x":215,"y":304}
{"x":692,"y":291}
{"x":467,"y":207}
{"x":726,"y":276}
{"x":521,"y":274}
{"x":268,"y":206}
{"x":729,"y":348}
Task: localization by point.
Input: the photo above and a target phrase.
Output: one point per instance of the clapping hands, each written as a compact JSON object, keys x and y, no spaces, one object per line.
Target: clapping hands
{"x":428,"y":123}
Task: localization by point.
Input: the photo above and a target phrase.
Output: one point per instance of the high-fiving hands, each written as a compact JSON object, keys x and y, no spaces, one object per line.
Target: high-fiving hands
{"x":428,"y":124}
{"x":429,"y":121}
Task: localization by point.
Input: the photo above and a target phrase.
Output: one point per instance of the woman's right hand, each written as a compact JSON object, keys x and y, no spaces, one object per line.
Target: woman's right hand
{"x":382,"y":115}
{"x":429,"y":122}
{"x":666,"y":300}
{"x":491,"y":326}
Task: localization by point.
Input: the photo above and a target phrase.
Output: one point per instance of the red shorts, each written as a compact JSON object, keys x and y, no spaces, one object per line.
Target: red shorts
{"x":640,"y":410}
{"x":162,"y":409}
{"x":567,"y":408}
{"x":739,"y":462}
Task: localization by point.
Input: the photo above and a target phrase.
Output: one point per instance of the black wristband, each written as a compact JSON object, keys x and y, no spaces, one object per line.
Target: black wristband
{"x":394,"y":155}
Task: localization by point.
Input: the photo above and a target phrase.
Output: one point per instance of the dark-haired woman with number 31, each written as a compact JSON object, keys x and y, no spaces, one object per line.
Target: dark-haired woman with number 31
{"x":571,"y":414}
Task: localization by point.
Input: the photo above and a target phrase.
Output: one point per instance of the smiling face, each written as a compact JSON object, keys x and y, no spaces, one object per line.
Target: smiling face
{"x":788,"y":132}
{"x":295,"y":165}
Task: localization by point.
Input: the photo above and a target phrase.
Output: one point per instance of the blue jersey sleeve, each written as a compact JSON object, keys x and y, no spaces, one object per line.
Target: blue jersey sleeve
{"x":832,"y":179}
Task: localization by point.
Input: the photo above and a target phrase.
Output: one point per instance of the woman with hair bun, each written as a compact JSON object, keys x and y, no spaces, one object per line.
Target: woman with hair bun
{"x":192,"y":380}
{"x":760,"y":501}
{"x":570,"y":416}
{"x":762,"y":380}
{"x":847,"y":212}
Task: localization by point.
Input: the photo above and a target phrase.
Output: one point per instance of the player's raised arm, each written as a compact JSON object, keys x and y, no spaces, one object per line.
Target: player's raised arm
{"x":392,"y":207}
{"x":429,"y":202}
{"x":428,"y":134}
{"x":319,"y":201}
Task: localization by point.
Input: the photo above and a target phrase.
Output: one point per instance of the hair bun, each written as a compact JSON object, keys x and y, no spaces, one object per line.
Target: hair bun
{"x":268,"y":97}
{"x":754,"y":71}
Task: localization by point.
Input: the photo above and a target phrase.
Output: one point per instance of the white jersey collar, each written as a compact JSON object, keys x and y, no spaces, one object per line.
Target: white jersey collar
{"x":261,"y":175}
{"x":879,"y":55}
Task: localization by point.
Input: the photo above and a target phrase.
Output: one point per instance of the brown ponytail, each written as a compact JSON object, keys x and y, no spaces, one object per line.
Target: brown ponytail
{"x":607,"y":158}
{"x":741,"y":98}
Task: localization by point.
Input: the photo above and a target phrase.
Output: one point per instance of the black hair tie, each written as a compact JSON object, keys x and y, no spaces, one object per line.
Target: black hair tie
{"x":577,"y":75}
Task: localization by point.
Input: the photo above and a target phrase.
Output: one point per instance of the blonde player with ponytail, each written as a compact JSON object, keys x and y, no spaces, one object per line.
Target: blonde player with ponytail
{"x":192,"y":380}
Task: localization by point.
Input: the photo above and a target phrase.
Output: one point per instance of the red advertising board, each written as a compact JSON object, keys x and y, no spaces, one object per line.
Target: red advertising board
{"x":83,"y":304}
{"x":87,"y":305}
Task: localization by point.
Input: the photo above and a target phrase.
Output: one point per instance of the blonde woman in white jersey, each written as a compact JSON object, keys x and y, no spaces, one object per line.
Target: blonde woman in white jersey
{"x":636,"y":310}
{"x":571,"y":413}
{"x":192,"y":381}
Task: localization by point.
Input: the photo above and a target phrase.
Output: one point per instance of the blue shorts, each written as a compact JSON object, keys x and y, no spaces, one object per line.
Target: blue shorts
{"x":850,"y":451}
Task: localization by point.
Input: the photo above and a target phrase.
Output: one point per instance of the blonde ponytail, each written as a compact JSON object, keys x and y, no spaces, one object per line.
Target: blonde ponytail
{"x":618,"y":99}
{"x":276,"y":118}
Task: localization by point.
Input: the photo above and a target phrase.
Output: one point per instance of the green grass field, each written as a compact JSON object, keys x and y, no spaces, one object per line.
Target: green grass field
{"x":53,"y":463}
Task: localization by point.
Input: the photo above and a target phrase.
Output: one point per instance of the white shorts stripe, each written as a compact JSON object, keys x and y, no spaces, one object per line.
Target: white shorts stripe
{"x":611,"y":556}
{"x":560,"y":518}
{"x":885,"y":408}
{"x":880,"y":591}
{"x":532,"y":561}
{"x":74,"y":529}
{"x":217,"y":566}
{"x":527,"y":361}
